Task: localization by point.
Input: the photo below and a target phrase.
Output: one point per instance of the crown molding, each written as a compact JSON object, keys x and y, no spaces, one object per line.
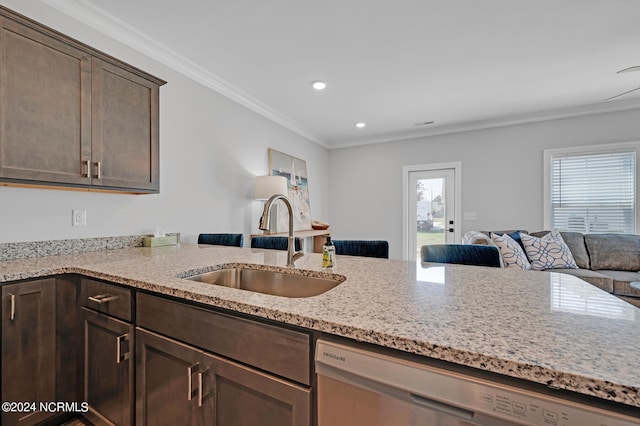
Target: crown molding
{"x":512,"y":120}
{"x":119,"y":30}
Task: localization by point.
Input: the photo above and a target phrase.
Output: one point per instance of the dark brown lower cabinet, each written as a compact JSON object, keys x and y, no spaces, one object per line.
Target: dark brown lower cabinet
{"x":169,"y":375}
{"x":108,"y":368}
{"x":244,"y":396}
{"x":28,"y":349}
{"x":179,"y":384}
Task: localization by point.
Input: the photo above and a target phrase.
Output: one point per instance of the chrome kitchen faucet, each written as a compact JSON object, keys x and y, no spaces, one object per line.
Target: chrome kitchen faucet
{"x":292,"y":255}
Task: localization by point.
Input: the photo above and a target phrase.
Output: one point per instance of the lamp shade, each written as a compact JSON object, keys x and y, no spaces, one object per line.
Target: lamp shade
{"x":267,"y":186}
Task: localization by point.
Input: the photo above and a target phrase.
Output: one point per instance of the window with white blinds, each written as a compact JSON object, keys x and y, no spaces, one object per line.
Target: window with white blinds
{"x":594,"y":192}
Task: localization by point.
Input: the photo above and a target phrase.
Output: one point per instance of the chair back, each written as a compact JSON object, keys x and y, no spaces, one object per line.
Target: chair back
{"x":274,"y":243}
{"x":366,"y":248}
{"x":221,"y":239}
{"x":462,"y":254}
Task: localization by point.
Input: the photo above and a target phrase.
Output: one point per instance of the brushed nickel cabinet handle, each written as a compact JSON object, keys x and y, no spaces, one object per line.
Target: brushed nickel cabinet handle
{"x":98,"y":170}
{"x":12,"y":314}
{"x":190,"y":372}
{"x":88,"y":165}
{"x":120,"y":356}
{"x":102,"y":298}
{"x":201,"y":394}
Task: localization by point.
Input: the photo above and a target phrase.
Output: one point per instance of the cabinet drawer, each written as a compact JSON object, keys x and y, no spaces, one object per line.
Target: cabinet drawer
{"x":274,"y":349}
{"x":106,"y":298}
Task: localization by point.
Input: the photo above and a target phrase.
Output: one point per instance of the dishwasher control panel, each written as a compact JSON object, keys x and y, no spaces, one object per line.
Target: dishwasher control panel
{"x":529,"y":408}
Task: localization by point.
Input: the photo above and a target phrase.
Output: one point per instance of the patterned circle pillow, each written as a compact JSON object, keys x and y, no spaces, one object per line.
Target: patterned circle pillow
{"x":511,"y":252}
{"x":548,"y":252}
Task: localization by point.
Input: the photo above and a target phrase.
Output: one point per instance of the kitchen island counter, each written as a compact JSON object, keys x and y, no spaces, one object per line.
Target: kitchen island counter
{"x":547,"y":328}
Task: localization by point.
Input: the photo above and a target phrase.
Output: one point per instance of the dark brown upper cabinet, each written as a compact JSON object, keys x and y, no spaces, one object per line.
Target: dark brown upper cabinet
{"x":71,"y":116}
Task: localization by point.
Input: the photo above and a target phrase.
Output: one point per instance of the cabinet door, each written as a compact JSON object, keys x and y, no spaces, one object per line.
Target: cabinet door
{"x":45,"y":107}
{"x":28,"y":347}
{"x":124,"y":128}
{"x":247,"y":397}
{"x":170,"y":381}
{"x":108,"y":368}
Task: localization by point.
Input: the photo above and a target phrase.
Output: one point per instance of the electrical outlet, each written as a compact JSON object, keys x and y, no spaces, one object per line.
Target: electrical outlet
{"x":79,"y":217}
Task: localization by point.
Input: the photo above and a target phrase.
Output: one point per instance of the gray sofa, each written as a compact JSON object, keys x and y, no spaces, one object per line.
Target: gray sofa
{"x":608,"y":261}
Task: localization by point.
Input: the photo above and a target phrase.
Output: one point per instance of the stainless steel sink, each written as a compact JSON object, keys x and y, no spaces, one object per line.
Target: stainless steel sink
{"x":285,"y":284}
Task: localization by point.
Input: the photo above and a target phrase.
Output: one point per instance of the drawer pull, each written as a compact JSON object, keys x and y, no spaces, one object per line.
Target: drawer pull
{"x":102,"y":298}
{"x":190,"y":372}
{"x":120,"y":356}
{"x":12,"y":314}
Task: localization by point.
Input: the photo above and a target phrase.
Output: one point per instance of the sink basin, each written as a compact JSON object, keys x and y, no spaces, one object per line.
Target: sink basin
{"x":285,"y":284}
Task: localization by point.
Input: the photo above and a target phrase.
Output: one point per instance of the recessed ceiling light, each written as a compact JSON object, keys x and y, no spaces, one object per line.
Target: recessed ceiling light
{"x":360,"y":125}
{"x":319,"y":85}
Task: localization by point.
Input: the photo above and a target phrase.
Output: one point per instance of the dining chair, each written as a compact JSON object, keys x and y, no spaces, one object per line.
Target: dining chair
{"x":462,"y":254}
{"x":221,"y":239}
{"x":275,"y":243}
{"x":365,"y":248}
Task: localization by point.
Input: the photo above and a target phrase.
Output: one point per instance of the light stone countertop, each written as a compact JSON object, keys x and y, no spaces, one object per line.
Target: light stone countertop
{"x":548,"y":328}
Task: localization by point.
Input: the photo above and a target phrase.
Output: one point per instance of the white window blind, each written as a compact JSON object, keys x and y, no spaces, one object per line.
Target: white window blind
{"x":594,"y":192}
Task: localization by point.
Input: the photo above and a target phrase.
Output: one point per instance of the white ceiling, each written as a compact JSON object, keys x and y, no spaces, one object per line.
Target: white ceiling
{"x":461,"y":63}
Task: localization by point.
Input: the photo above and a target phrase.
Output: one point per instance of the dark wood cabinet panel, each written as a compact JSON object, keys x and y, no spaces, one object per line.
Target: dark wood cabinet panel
{"x":167,"y":383}
{"x":272,"y":401}
{"x":106,"y":298}
{"x":68,"y":340}
{"x":125,"y":128}
{"x":179,"y":384}
{"x":45,"y":101}
{"x":278,"y":350}
{"x":228,"y":344}
{"x":28,"y":348}
{"x":108,"y":368}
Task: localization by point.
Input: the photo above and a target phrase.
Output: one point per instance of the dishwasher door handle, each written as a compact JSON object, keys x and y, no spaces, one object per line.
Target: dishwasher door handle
{"x":441,"y":406}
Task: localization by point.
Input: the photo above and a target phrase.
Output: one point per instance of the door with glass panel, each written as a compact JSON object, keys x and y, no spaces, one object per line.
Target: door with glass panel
{"x":431,"y":209}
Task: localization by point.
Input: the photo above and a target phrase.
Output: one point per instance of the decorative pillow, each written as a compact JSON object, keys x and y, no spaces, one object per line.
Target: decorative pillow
{"x":510,"y":251}
{"x":548,"y":252}
{"x":477,"y":237}
{"x":515,"y":236}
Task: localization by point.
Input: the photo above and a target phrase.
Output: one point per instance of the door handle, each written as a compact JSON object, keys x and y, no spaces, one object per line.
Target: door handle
{"x":12,"y":311}
{"x":201,"y":394}
{"x":120,"y":356}
{"x":190,"y":372}
{"x":98,"y":169}
{"x":88,"y":165}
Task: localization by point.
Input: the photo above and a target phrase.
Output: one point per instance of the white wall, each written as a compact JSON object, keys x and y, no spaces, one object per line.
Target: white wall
{"x":210,"y":150}
{"x":502,"y":174}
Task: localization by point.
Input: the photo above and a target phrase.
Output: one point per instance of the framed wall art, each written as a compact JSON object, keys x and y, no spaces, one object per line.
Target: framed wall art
{"x":295,"y":171}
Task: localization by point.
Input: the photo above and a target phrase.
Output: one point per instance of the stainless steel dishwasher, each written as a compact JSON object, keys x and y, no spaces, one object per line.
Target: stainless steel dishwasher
{"x":361,"y":387}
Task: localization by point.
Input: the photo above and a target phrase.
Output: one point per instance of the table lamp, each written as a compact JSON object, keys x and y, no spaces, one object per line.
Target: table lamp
{"x":267,"y":186}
